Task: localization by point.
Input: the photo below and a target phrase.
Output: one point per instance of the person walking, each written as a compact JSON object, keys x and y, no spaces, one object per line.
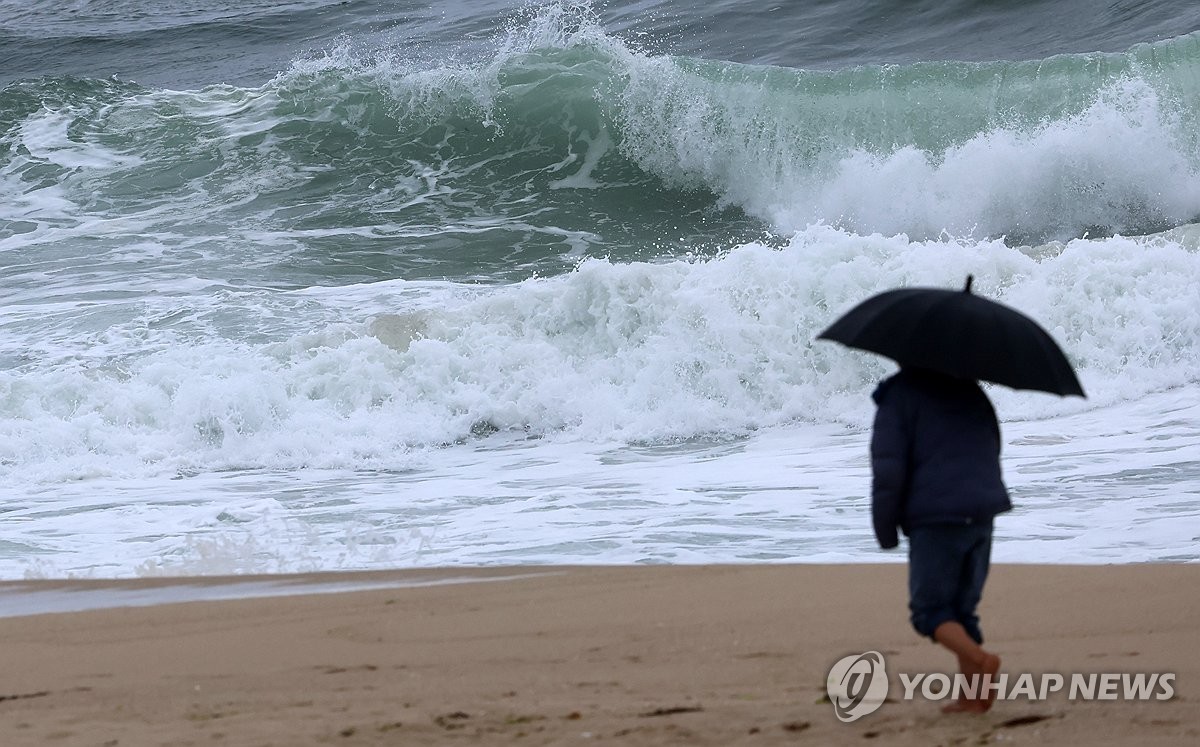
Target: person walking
{"x":936,"y":476}
{"x":935,"y":447}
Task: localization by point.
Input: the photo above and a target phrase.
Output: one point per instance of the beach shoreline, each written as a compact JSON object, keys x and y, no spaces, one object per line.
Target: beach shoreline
{"x":633,"y":655}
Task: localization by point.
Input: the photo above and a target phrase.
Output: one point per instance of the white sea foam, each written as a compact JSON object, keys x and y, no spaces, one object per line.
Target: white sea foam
{"x":359,"y":377}
{"x":1121,"y":162}
{"x":160,"y":413}
{"x":1117,"y":485}
{"x":45,"y":136}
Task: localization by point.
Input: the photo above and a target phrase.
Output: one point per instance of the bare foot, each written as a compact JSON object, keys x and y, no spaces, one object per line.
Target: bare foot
{"x":986,"y":669}
{"x":989,"y":669}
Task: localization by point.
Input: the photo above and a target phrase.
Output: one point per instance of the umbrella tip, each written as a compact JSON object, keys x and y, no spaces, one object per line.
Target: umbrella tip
{"x":967,"y":287}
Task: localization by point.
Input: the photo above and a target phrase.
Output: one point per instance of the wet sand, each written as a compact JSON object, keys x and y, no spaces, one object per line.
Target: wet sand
{"x":648,"y":655}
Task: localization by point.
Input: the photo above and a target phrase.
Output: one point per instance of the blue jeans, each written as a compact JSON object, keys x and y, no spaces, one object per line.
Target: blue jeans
{"x":947,"y":566}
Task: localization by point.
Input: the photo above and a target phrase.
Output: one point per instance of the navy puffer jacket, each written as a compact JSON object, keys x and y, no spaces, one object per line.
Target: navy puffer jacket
{"x":935,"y":454}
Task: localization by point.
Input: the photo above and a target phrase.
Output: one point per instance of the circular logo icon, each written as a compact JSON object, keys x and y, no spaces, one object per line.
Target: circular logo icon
{"x":857,"y":685}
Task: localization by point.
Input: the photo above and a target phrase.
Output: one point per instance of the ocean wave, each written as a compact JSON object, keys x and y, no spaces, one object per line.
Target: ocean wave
{"x":370,"y":256}
{"x":633,"y":352}
{"x":565,"y":129}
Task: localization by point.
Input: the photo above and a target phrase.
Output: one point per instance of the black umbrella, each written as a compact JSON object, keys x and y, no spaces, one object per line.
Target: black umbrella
{"x":960,"y":334}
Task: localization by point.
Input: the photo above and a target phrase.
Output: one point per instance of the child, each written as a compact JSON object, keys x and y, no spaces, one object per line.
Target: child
{"x":935,"y":459}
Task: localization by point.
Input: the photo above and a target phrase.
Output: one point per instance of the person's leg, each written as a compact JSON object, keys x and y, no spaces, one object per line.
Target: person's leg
{"x":976,"y":564}
{"x":963,"y":636}
{"x":932,"y":578}
{"x":974,"y":662}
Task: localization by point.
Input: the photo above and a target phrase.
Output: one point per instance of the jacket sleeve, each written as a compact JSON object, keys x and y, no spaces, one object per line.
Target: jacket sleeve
{"x":889,"y":473}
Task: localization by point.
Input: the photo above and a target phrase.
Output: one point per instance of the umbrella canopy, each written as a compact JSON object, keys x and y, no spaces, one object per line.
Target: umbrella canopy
{"x":960,"y":334}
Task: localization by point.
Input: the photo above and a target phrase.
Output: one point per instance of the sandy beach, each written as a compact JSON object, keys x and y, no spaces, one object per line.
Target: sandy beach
{"x":707,"y":655}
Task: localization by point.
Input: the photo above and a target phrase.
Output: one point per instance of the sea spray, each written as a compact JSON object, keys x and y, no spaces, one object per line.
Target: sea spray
{"x":665,"y":351}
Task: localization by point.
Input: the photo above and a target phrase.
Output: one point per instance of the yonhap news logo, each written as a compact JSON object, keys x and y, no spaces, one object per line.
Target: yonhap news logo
{"x":858,"y":685}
